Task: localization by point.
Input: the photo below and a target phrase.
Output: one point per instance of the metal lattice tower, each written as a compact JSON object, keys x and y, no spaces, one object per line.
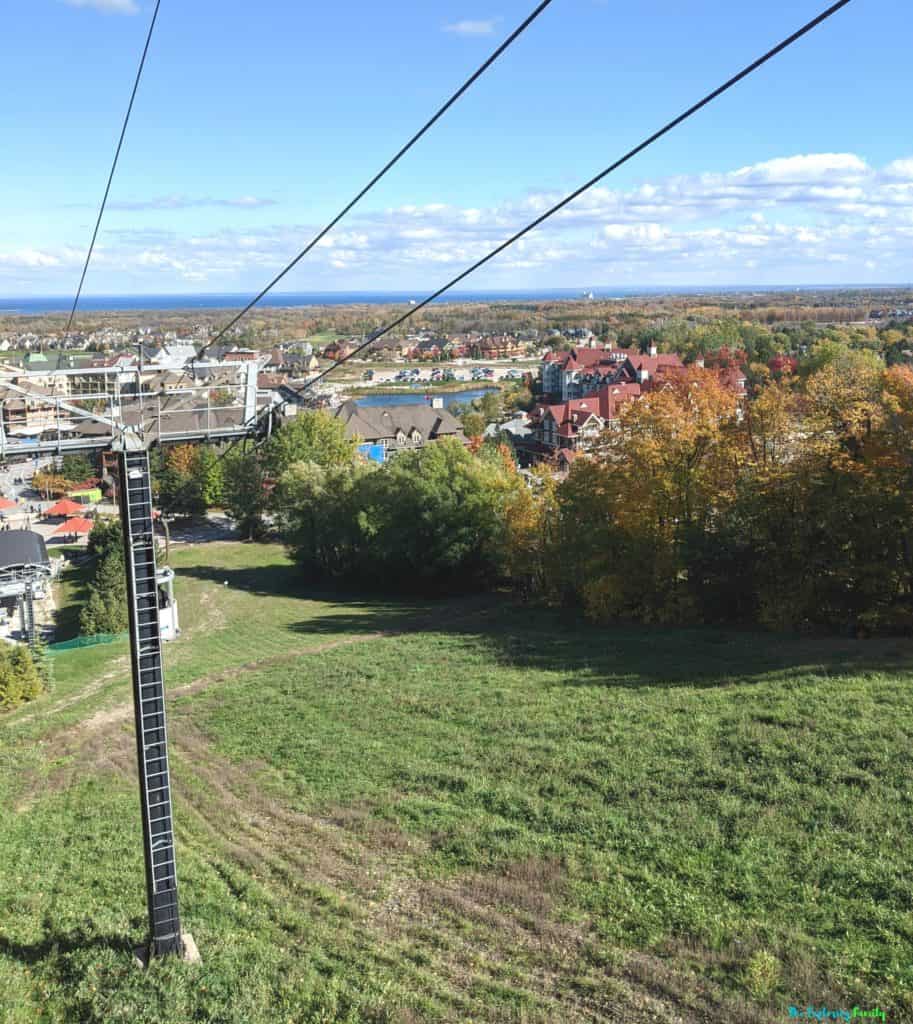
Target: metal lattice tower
{"x":27,"y":616}
{"x":149,"y":702}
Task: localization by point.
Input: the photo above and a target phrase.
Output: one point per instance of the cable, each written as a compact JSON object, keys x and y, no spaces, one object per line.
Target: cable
{"x":374,"y":335}
{"x":709,"y":98}
{"x":380,"y":174}
{"x":123,"y":132}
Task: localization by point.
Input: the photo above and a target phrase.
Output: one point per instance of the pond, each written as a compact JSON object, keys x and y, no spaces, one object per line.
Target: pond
{"x":423,"y":397}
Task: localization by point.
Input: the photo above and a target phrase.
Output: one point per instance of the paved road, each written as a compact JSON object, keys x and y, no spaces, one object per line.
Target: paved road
{"x":216,"y":526}
{"x":15,"y":484}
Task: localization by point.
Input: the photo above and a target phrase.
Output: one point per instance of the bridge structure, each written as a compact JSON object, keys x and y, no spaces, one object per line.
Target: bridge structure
{"x":127,"y":411}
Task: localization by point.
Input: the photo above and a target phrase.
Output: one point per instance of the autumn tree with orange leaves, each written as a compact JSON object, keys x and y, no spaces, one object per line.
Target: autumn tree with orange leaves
{"x":794,"y":511}
{"x":629,"y":515}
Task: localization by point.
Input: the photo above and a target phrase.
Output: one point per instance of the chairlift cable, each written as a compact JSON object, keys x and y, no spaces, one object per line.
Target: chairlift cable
{"x":120,"y":143}
{"x":684,"y":116}
{"x":669,"y":126}
{"x":518,"y":31}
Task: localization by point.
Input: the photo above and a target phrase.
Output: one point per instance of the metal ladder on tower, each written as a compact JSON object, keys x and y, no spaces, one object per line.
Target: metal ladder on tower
{"x":149,"y":703}
{"x":27,"y":616}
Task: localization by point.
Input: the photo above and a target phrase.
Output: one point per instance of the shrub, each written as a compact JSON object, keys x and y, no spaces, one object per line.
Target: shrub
{"x":19,"y":677}
{"x":762,"y":972}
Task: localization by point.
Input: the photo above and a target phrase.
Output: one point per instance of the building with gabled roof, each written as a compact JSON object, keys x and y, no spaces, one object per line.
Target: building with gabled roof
{"x":576,"y":424}
{"x":580,"y":371}
{"x":652,"y":368}
{"x":397,"y":427}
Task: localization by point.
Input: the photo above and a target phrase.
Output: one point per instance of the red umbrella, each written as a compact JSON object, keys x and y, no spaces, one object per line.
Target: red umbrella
{"x":65,"y":507}
{"x":5,"y":503}
{"x":77,"y":525}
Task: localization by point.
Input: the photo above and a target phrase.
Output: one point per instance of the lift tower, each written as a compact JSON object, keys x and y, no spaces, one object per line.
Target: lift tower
{"x":135,"y":495}
{"x":128,"y":412}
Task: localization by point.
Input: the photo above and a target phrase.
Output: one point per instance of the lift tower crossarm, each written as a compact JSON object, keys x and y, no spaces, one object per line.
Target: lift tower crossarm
{"x":60,"y":403}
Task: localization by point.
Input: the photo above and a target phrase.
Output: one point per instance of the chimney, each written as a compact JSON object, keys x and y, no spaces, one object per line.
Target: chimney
{"x":699,"y":362}
{"x":653,"y":350}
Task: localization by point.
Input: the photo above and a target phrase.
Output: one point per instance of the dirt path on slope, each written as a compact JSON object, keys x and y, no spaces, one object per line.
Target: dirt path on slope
{"x":489,"y":930}
{"x":121,"y":667}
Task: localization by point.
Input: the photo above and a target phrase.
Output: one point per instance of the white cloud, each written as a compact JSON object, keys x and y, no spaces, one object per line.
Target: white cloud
{"x":900,"y":170}
{"x":29,"y":259}
{"x":472,"y":28}
{"x":810,"y":167}
{"x":107,"y":6}
{"x":811,"y":218}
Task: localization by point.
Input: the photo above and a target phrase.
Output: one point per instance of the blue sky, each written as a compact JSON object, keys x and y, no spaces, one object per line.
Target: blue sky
{"x":256,"y":122}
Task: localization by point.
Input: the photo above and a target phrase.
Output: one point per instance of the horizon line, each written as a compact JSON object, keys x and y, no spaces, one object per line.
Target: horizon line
{"x":670,"y":288}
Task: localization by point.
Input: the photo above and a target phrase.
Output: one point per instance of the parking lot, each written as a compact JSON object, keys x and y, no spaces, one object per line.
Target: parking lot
{"x":444,"y":375}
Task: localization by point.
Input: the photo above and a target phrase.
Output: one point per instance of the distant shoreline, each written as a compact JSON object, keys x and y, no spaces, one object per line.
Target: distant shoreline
{"x":203,"y":302}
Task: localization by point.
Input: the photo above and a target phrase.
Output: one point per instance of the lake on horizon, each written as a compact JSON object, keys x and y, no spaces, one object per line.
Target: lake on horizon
{"x":419,"y":397}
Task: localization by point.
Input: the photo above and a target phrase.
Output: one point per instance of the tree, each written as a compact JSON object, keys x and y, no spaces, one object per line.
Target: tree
{"x":438,"y":516}
{"x":433,"y":518}
{"x":246,"y":495}
{"x":105,"y":610}
{"x":324,"y":518}
{"x":530,"y":515}
{"x":19,"y":677}
{"x":489,"y":406}
{"x":188,"y":479}
{"x":51,"y":485}
{"x":519,"y":397}
{"x":76,"y":468}
{"x":630,"y":517}
{"x":212,"y":475}
{"x":311,"y":436}
{"x":473,"y":424}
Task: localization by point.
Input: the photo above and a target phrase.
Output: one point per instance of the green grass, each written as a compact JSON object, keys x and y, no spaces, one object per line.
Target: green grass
{"x":70,"y":593}
{"x":468,"y":810}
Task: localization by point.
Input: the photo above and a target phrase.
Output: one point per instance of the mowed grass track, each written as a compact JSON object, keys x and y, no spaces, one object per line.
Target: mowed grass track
{"x":464,"y":810}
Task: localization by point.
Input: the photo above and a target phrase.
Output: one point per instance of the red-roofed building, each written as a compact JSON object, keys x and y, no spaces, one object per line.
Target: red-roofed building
{"x":730,"y":367}
{"x":337,"y":350}
{"x":724,"y":357}
{"x":578,"y":423}
{"x":650,"y":369}
{"x":580,"y":371}
{"x":500,"y":346}
{"x":733,"y":377}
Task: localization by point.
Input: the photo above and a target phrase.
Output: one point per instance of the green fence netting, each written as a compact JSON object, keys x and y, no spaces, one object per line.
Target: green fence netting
{"x":86,"y":641}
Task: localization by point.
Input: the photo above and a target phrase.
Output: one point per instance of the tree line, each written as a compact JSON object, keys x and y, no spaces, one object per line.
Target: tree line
{"x":792,"y":509}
